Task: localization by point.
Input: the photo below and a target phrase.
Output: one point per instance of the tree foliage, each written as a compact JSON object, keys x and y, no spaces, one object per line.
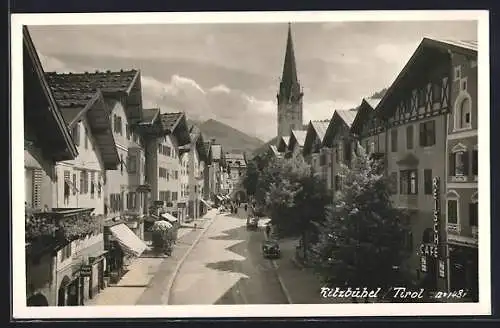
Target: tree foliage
{"x":361,"y":241}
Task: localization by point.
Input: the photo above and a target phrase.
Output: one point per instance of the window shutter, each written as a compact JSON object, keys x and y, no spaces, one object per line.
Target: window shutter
{"x":452,"y":165}
{"x":416,"y":182}
{"x":422,"y":135}
{"x":466,"y":160}
{"x":432,"y":132}
{"x":473,"y":214}
{"x":37,"y":188}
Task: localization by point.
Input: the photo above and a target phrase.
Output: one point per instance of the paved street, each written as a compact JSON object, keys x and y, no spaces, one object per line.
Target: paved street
{"x":227,"y":267}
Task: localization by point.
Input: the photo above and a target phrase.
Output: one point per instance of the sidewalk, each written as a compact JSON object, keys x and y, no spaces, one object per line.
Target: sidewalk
{"x":147,"y":278}
{"x":302,"y":284}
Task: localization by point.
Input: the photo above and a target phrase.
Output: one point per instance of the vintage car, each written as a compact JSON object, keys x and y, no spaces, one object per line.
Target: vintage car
{"x":271,"y":249}
{"x":252,"y":223}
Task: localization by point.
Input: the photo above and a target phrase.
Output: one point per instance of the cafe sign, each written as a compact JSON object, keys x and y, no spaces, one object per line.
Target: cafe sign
{"x":85,"y":270}
{"x":432,"y":249}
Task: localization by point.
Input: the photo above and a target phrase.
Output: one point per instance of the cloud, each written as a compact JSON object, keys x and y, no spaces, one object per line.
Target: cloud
{"x":395,"y":53}
{"x":324,"y":109}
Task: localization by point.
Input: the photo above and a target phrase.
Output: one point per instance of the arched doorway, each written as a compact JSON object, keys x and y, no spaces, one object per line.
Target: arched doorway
{"x":68,"y":292}
{"x":37,"y":300}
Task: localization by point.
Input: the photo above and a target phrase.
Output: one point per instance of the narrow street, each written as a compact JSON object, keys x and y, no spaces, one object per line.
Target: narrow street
{"x":227,"y":267}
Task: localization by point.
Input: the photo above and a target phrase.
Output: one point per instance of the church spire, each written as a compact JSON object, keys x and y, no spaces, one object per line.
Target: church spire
{"x":289,"y":86}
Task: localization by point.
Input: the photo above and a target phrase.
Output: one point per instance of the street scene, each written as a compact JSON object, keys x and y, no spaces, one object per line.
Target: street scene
{"x":189,"y":175}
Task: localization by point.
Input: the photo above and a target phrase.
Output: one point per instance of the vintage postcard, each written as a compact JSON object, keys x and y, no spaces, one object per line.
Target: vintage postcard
{"x":176,"y":162}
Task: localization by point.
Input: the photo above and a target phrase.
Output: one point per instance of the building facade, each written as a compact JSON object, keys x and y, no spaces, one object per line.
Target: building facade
{"x":338,"y":148}
{"x":47,"y":140}
{"x":296,"y":144}
{"x":236,"y":168}
{"x":315,"y":135}
{"x":196,"y":167}
{"x":462,"y":211}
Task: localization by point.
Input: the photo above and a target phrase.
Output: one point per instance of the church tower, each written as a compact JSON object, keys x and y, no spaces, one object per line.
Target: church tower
{"x":290,"y":94}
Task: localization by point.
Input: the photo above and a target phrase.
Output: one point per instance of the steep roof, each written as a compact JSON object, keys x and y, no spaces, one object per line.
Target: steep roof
{"x":150,"y":114}
{"x":59,"y":142}
{"x":320,"y":128}
{"x":347,"y":116}
{"x":175,"y":123}
{"x":429,"y":50}
{"x":299,"y":136}
{"x":75,"y":89}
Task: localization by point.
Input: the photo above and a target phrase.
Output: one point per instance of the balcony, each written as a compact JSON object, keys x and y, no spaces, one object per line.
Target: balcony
{"x":462,"y":235}
{"x":407,"y":201}
{"x":459,"y":178}
{"x":65,"y":224}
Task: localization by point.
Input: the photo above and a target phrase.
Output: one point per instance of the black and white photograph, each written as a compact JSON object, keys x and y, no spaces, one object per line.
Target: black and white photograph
{"x":282,"y":163}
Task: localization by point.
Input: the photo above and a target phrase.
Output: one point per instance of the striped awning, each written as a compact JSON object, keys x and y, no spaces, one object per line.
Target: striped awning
{"x":128,"y":240}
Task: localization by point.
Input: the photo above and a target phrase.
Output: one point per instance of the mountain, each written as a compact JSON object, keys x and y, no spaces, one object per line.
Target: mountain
{"x":232,"y":140}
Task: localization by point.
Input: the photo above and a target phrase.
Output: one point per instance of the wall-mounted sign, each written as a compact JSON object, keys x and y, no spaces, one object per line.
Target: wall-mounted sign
{"x":442,"y":271}
{"x":85,"y":270}
{"x":433,"y":249}
{"x":423,"y":264}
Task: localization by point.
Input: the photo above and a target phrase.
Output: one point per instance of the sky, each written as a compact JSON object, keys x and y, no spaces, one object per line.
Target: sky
{"x":231,"y":72}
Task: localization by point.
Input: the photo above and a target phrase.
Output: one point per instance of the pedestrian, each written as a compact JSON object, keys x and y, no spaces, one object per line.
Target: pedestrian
{"x":246,"y":207}
{"x":268,"y":230}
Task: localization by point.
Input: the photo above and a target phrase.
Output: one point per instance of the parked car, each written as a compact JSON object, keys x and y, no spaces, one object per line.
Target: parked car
{"x":252,"y":223}
{"x":271,"y":249}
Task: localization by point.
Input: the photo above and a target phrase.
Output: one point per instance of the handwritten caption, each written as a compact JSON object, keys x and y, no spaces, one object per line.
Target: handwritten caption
{"x":399,"y":293}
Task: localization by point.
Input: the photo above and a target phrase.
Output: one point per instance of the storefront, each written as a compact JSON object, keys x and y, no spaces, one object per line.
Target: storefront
{"x":122,"y":245}
{"x":464,"y":270}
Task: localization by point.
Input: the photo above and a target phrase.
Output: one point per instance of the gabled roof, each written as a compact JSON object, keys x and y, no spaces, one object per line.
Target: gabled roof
{"x":274,"y":150}
{"x":59,"y":142}
{"x":72,"y":88}
{"x":175,"y":123}
{"x":343,"y":117}
{"x":428,"y":50}
{"x":283,"y":143}
{"x":364,"y":110}
{"x":296,"y":137}
{"x":149,"y":115}
{"x":320,"y":128}
{"x":96,"y":113}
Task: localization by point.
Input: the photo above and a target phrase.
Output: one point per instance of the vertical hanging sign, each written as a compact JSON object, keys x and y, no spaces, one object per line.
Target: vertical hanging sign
{"x":437,"y":213}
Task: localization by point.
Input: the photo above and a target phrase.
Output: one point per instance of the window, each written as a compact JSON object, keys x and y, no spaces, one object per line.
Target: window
{"x":167,"y":174}
{"x":340,"y":153}
{"x":132,"y":164}
{"x":428,"y":182}
{"x":348,"y":152}
{"x":322,"y":160}
{"x":473,"y":214}
{"x":75,"y":132}
{"x":67,"y":186}
{"x":452,"y":212}
{"x":427,"y":133}
{"x":463,"y":114}
{"x":463,"y":85}
{"x":409,"y":137}
{"x":115,"y":203}
{"x":66,"y":252}
{"x":86,"y":139}
{"x":436,"y":92}
{"x":131,"y":200}
{"x":82,"y":182}
{"x":394,"y":140}
{"x":474,"y":162}
{"x":408,"y":182}
{"x":127,"y":131}
{"x":162,"y":172}
{"x":459,"y":161}
{"x":117,"y":124}
{"x":168,"y":151}
{"x":174,"y":196}
{"x":121,"y":163}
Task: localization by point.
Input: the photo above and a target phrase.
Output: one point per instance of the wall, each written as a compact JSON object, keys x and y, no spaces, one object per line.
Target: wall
{"x":289,"y":117}
{"x":172,"y":164}
{"x":88,"y":160}
{"x":39,"y":179}
{"x":39,"y":278}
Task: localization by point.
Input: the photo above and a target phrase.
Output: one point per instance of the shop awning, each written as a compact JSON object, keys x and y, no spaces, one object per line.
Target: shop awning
{"x":206,"y":203}
{"x":219,"y":197}
{"x":169,"y":217}
{"x":128,"y":240}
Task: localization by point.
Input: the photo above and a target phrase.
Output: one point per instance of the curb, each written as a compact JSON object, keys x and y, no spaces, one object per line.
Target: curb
{"x":166,"y":295}
{"x":280,"y":280}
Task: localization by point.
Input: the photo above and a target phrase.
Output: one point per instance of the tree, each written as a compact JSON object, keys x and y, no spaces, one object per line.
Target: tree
{"x":294,"y":198}
{"x":361,"y":243}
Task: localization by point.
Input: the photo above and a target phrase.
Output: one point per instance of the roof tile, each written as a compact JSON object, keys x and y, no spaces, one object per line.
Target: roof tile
{"x":320,"y":127}
{"x":347,"y":116}
{"x":300,"y":136}
{"x":169,"y":120}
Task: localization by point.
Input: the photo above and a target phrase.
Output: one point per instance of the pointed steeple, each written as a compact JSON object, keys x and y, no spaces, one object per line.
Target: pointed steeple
{"x":289,"y":86}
